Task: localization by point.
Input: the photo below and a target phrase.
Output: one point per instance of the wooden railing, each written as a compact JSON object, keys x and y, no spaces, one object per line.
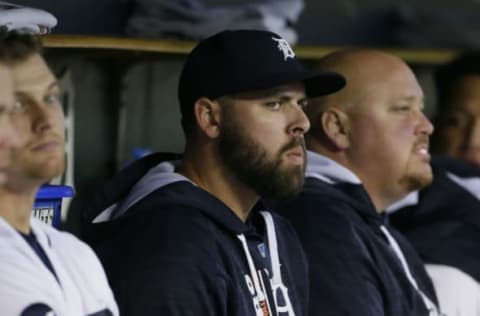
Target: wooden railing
{"x":179,"y":47}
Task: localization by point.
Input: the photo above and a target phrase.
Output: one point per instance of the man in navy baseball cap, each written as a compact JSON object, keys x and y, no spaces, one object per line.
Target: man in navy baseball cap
{"x":207,"y":243}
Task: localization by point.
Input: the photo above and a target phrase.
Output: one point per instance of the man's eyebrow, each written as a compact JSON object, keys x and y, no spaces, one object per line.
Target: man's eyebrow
{"x":411,"y":98}
{"x":53,"y":84}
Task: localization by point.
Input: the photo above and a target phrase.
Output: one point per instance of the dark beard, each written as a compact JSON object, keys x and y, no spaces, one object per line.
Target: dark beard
{"x":249,"y":163}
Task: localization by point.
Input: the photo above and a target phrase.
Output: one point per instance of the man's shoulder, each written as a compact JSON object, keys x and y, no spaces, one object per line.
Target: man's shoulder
{"x":64,"y":243}
{"x":160,"y":223}
{"x":329,"y":194}
{"x":319,"y":203}
{"x":170,"y":222}
{"x":176,"y":206}
{"x":324,"y":217}
{"x":326,"y":221}
{"x":55,"y":235}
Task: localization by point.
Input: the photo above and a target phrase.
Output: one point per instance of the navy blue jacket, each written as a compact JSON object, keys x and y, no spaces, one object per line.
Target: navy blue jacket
{"x":444,"y":223}
{"x":353,"y":269}
{"x":175,"y":250}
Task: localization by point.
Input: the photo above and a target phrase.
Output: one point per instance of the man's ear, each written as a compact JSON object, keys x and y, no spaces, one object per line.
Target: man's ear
{"x":336,"y":126}
{"x":207,"y":114}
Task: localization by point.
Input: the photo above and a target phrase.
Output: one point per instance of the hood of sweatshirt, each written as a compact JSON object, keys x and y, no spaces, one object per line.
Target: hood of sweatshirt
{"x":344,"y":184}
{"x":150,"y":174}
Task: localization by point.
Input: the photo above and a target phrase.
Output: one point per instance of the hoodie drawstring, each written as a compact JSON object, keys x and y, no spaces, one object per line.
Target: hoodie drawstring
{"x":276,"y":279}
{"x":261,"y":296}
{"x":432,"y":308}
{"x":276,"y":282}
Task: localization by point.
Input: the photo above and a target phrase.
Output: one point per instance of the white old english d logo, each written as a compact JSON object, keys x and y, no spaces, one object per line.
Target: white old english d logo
{"x":284,"y":47}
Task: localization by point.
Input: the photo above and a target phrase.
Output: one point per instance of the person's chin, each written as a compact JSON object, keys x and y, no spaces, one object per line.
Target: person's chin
{"x":420,"y":179}
{"x":55,"y":169}
{"x":422,"y":166}
{"x":293,"y":171}
{"x":48,"y":157}
{"x":426,"y":179}
{"x":47,"y":169}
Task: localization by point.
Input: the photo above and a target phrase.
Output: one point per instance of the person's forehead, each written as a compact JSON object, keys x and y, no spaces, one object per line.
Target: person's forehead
{"x":32,"y":72}
{"x":389,"y":92}
{"x":467,"y":86}
{"x":465,"y":95}
{"x":6,"y":88}
{"x":6,"y":76}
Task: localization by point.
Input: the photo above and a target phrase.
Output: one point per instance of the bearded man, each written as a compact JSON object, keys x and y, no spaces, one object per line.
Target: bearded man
{"x":190,"y":237}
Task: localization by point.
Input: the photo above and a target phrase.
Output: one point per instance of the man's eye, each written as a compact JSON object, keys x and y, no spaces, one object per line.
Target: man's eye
{"x":402,"y":108}
{"x":458,"y":121}
{"x":303,"y":104}
{"x":274,"y":105}
{"x":18,"y":105}
{"x":51,"y":98}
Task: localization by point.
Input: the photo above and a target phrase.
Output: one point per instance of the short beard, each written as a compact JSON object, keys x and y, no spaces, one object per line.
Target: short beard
{"x":248,"y":161}
{"x":416,"y":182}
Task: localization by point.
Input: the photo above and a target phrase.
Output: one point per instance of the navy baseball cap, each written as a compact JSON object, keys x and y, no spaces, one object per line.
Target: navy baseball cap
{"x":238,"y":61}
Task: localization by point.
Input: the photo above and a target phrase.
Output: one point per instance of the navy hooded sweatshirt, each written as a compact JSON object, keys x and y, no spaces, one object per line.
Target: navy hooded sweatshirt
{"x":442,"y":221}
{"x":171,"y":248}
{"x":354,"y":266}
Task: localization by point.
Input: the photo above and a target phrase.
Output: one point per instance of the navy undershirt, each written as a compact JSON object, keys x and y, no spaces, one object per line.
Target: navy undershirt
{"x":31,"y":239}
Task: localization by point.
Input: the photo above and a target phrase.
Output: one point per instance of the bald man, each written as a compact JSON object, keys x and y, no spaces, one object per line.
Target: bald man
{"x":368,"y":147}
